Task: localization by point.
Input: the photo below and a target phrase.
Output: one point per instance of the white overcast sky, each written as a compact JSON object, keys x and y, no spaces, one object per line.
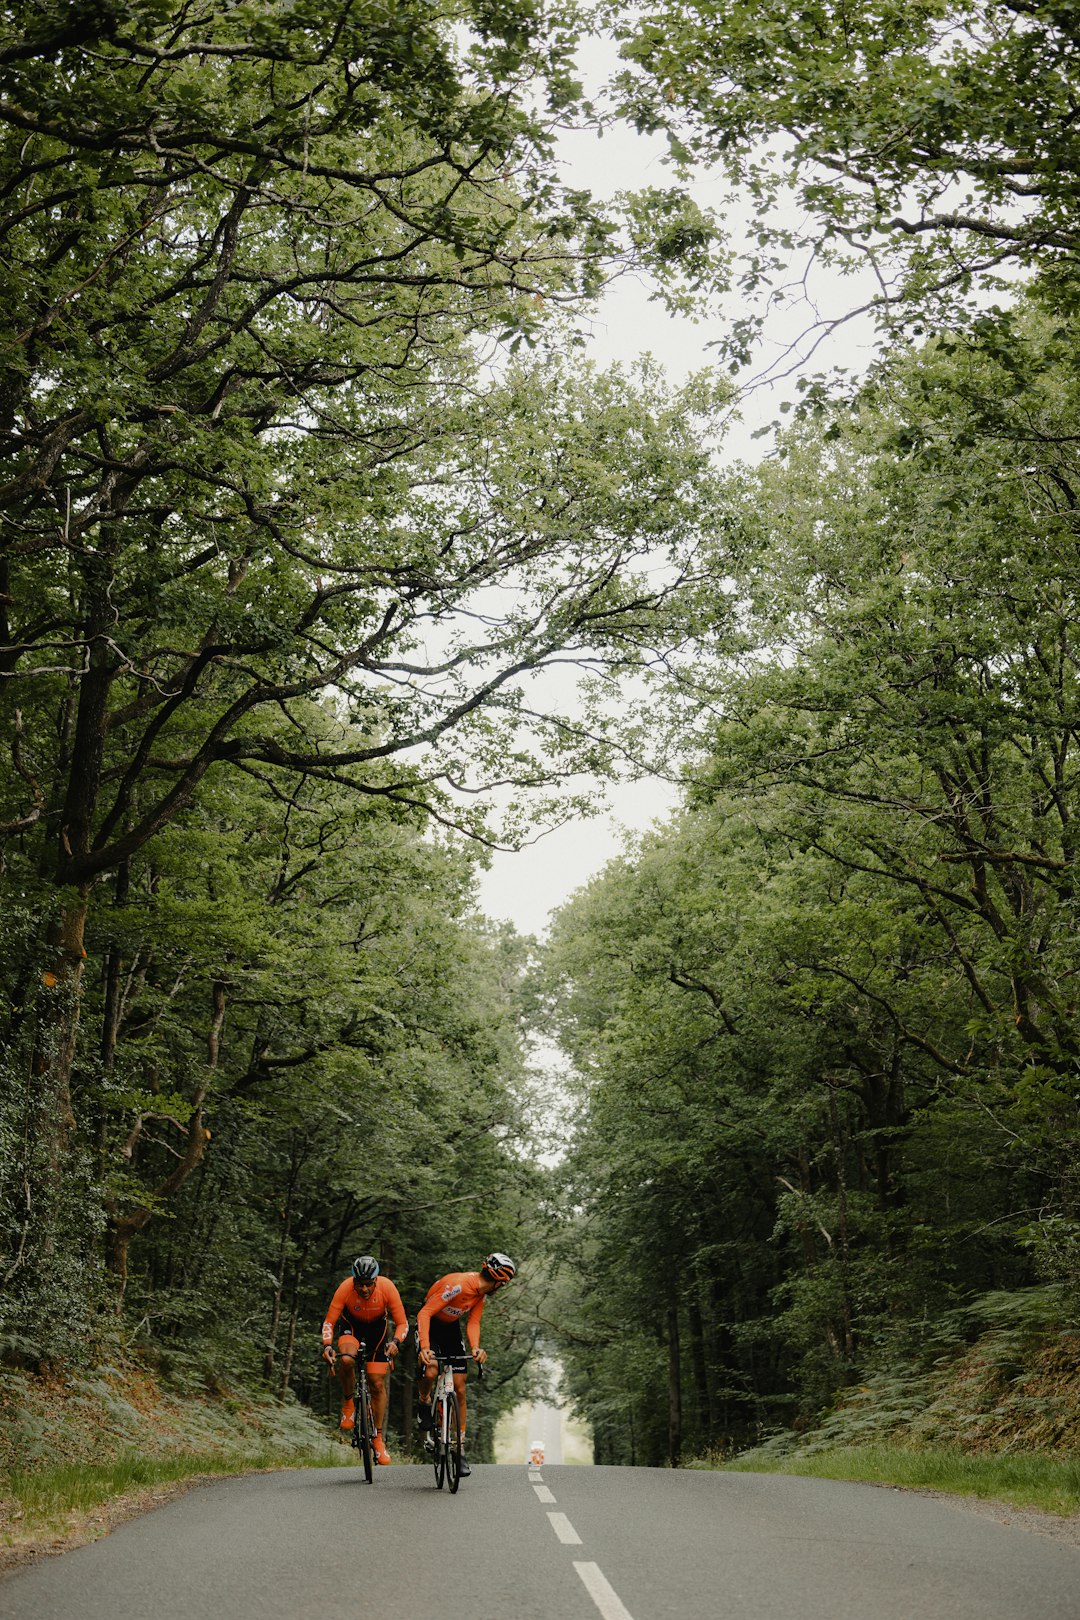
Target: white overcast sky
{"x":525,"y":887}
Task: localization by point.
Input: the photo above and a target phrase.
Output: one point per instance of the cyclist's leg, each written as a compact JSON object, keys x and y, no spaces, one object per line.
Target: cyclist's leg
{"x":459,"y":1391}
{"x":348,"y":1348}
{"x":450,"y":1344}
{"x":377,"y":1369}
{"x":380,"y":1395}
{"x":424,"y":1390}
{"x":445,"y":1339}
{"x":463,"y":1468}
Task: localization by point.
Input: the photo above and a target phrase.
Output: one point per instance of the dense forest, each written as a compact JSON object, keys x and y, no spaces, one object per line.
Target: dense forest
{"x":309,"y":485}
{"x":824,"y":1025}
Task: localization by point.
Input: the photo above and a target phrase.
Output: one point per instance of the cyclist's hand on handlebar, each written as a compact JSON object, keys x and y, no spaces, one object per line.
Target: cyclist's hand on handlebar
{"x":329,"y":1355}
{"x":392,"y":1349}
{"x":480,"y":1355}
{"x":427,"y":1358}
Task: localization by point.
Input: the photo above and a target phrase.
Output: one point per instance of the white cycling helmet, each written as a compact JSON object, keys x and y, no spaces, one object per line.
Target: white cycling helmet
{"x":500,"y":1267}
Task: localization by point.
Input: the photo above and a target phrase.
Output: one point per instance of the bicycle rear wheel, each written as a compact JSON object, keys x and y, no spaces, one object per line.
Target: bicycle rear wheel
{"x":440,"y":1446}
{"x":453,"y":1443}
{"x":363,"y":1424}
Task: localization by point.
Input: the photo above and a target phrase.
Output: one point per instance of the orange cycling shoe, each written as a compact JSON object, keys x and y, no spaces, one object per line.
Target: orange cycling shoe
{"x":381,"y":1453}
{"x":348,"y":1415}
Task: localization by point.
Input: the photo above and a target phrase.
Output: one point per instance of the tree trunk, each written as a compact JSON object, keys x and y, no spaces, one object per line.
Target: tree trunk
{"x":702,"y":1403}
{"x":674,"y":1386}
{"x":290,"y":1338}
{"x":283,"y":1254}
{"x":290,"y":1348}
{"x":840,"y":1151}
{"x":57,"y":1019}
{"x":53,"y":1057}
{"x":124,"y":1227}
{"x":110,"y":1018}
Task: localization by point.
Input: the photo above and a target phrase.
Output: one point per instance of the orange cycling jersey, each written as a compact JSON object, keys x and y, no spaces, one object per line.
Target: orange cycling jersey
{"x":452,"y":1297}
{"x":357,"y":1311}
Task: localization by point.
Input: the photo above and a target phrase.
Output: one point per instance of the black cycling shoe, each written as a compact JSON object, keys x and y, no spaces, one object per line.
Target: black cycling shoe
{"x":463,"y":1468}
{"x":424,"y":1419}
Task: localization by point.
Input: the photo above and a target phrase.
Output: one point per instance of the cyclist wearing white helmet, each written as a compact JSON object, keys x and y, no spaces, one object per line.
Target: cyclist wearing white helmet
{"x":458,"y":1295}
{"x":363,"y":1302}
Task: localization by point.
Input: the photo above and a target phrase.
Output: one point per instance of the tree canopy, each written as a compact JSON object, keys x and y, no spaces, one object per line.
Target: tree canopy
{"x":933,"y":143}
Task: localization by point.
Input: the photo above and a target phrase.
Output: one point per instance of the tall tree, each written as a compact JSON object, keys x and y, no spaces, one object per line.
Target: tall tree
{"x":824,"y":1021}
{"x":933,"y":141}
{"x":259,"y":262}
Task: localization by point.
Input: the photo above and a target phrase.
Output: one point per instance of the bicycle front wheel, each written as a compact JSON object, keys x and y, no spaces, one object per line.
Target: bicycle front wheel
{"x":440,"y":1443}
{"x":363,"y":1424}
{"x":453,"y":1443}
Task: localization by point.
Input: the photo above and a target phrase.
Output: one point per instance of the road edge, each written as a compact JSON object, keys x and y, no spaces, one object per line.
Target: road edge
{"x":83,"y":1528}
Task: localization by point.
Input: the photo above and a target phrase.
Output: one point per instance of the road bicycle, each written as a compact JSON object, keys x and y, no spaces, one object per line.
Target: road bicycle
{"x":446,"y":1415}
{"x":362,"y":1433}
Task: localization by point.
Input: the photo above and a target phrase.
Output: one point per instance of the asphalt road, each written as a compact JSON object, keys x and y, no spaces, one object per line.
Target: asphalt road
{"x":553,"y":1544}
{"x":545,"y":1425}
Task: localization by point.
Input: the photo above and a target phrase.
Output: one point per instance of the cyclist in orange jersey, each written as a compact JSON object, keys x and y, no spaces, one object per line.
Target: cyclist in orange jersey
{"x":460,"y":1294}
{"x":363,"y":1301}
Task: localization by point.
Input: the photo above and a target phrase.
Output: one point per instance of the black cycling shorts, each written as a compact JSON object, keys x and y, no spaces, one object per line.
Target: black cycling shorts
{"x":372,"y":1335}
{"x":445,"y":1339}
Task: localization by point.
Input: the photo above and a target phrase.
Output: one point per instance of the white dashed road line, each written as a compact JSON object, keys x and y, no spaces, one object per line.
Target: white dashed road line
{"x":593,"y":1579}
{"x":602,"y":1592}
{"x":564,"y":1530}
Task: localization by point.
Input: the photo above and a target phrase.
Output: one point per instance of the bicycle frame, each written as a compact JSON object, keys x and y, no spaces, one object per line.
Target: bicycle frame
{"x":361,"y":1436}
{"x":363,"y":1430}
{"x":447,"y":1418}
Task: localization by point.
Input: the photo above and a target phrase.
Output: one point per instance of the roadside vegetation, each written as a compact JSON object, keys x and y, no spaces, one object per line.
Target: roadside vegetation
{"x":56,"y":1505}
{"x":1025,"y":1479}
{"x":78,"y":1449}
{"x":995,"y":1416}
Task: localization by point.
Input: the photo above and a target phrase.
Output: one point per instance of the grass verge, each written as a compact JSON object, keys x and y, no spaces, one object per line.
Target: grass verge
{"x":43,"y":1509}
{"x":47,"y":1494}
{"x":84,"y":1448}
{"x":1024,"y":1479}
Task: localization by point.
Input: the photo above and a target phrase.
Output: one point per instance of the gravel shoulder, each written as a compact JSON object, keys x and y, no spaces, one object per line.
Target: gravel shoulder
{"x":1034,"y":1520}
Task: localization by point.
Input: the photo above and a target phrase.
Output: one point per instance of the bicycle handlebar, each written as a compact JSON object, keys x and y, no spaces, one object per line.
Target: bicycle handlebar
{"x":446,"y":1361}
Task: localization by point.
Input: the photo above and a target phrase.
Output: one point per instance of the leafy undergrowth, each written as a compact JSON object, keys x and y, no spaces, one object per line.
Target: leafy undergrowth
{"x":988,"y":1405}
{"x":72,"y":1441}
